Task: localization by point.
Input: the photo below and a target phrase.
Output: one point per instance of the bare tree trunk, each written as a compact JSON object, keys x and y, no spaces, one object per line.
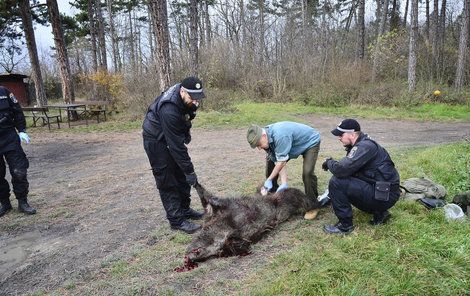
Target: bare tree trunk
{"x":395,"y":17}
{"x":77,"y":60}
{"x":405,"y":17}
{"x":262,"y":43}
{"x":413,"y":46}
{"x":243,"y":21}
{"x":91,"y":17}
{"x":131,"y":41}
{"x":208,"y":24}
{"x":112,"y":31}
{"x":347,"y":26}
{"x":361,"y":30}
{"x":304,"y":20}
{"x":378,"y":17}
{"x":441,"y":38}
{"x":464,"y":32}
{"x":160,"y":13}
{"x":139,"y":52}
{"x":101,"y":37}
{"x":202,"y":24}
{"x":25,"y":11}
{"x":152,"y":34}
{"x":435,"y":36}
{"x":193,"y":38}
{"x":68,"y":92}
{"x":383,"y":22}
{"x":427,"y":20}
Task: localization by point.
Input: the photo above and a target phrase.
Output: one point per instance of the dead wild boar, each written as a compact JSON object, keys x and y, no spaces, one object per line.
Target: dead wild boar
{"x":233,"y":224}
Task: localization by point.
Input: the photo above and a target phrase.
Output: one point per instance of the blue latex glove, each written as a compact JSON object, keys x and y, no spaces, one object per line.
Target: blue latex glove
{"x":24,"y":137}
{"x":268,"y":184}
{"x":282,"y":187}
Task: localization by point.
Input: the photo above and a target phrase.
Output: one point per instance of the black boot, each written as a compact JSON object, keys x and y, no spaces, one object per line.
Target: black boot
{"x":24,"y":207}
{"x":187,"y":227}
{"x":193,"y":214}
{"x":5,"y":208}
{"x":380,"y":218}
{"x":338,"y":228}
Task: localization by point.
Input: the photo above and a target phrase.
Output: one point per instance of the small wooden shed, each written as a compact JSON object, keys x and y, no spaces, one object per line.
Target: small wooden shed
{"x":15,"y":84}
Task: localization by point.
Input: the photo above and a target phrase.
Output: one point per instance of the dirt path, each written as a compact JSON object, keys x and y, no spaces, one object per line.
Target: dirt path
{"x":96,"y":199}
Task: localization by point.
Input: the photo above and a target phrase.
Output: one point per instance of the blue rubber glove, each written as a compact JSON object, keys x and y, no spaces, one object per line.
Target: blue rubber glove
{"x":24,"y":137}
{"x":282,"y":187}
{"x":268,"y":184}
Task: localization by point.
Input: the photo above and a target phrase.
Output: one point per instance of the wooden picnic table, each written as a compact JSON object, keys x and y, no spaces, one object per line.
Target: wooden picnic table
{"x":97,"y":108}
{"x":74,"y":111}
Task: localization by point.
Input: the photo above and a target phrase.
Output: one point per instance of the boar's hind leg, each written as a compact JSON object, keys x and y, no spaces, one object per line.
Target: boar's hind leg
{"x":204,"y":195}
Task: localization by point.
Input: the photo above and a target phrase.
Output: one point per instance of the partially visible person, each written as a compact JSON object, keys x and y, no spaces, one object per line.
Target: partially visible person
{"x":284,"y":141}
{"x":12,"y":121}
{"x":366,"y":178}
{"x":166,"y":132}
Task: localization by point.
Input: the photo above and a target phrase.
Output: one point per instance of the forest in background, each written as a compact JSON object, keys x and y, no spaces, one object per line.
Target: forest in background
{"x":343,"y":52}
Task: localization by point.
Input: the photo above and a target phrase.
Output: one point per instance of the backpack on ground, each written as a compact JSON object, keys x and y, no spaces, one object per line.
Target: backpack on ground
{"x":418,"y":188}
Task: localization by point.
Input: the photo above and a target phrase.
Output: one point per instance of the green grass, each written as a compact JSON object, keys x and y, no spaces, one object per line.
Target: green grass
{"x":448,"y":165}
{"x":245,"y":113}
{"x":417,"y":253}
{"x":264,"y":113}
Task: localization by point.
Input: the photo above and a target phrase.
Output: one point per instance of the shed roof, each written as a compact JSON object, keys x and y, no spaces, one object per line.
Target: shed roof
{"x":13,"y":75}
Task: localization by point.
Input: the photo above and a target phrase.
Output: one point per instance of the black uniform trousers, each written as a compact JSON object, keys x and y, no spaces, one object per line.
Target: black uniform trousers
{"x":171,"y":182}
{"x":12,"y":152}
{"x":345,"y":192}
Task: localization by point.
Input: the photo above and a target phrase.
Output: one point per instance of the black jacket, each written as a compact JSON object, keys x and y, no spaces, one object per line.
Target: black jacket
{"x":168,"y":120}
{"x":366,"y":160}
{"x":11,"y":115}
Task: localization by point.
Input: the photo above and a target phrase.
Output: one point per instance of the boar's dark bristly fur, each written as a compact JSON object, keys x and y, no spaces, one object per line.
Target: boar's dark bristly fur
{"x":233,"y":224}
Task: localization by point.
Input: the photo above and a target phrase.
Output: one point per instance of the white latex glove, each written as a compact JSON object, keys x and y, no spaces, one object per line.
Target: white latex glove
{"x":282,"y":187}
{"x":24,"y":137}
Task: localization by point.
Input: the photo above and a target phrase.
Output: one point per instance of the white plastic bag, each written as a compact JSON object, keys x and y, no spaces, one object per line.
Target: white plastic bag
{"x":454,"y":212}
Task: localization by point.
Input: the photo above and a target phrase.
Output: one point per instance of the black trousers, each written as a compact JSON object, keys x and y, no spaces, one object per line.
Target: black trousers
{"x":171,"y":182}
{"x":345,"y":192}
{"x":18,"y":165}
{"x":309,"y":178}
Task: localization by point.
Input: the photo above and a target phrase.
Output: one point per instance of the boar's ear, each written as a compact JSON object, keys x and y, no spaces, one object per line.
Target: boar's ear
{"x":217,"y":203}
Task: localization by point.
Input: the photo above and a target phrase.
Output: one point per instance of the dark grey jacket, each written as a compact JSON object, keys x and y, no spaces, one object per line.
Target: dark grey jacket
{"x":11,"y":115}
{"x":168,"y":120}
{"x":366,"y":160}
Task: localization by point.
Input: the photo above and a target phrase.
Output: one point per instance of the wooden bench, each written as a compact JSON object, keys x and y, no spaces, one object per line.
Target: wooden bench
{"x":40,"y":113}
{"x":96,"y":108}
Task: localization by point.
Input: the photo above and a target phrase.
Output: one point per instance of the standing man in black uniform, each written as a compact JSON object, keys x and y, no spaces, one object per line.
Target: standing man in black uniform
{"x":11,"y":118}
{"x":365,"y":178}
{"x":166,"y":131}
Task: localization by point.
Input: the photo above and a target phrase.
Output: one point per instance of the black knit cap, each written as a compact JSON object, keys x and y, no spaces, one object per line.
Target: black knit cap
{"x":193,"y":86}
{"x":346,"y":126}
